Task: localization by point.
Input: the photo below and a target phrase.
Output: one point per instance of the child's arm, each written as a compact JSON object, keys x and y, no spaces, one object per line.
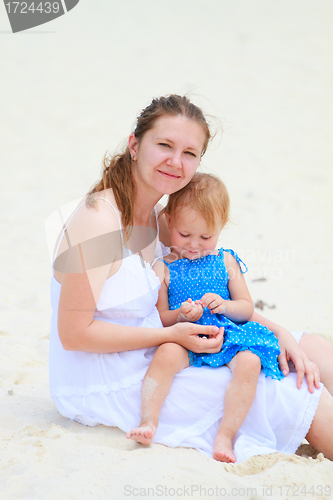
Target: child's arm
{"x":240,"y":307}
{"x":189,"y":310}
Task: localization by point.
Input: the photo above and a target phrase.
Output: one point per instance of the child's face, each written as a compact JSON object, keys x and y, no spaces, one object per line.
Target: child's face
{"x":191,"y":238}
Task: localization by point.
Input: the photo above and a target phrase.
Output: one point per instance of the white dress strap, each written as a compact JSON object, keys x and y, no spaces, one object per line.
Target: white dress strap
{"x":64,"y":229}
{"x":114,"y":209}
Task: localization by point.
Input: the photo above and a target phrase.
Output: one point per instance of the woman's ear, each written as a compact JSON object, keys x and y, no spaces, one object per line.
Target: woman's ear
{"x":133,"y":146}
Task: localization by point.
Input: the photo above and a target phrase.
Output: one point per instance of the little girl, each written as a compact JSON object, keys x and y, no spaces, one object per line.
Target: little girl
{"x":203,"y":285}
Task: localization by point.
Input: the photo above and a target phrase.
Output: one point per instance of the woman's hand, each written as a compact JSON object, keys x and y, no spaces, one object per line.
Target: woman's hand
{"x":187,"y":335}
{"x":291,"y":351}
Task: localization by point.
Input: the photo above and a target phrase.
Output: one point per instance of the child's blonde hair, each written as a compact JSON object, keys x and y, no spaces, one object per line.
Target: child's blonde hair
{"x":206,"y":194}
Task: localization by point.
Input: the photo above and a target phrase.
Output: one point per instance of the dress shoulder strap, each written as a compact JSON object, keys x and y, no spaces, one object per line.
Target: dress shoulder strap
{"x":242,"y":265}
{"x":65,"y":227}
{"x":113,"y":208}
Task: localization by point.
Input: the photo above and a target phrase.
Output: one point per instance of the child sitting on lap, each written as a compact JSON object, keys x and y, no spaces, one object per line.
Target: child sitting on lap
{"x":204,"y":285}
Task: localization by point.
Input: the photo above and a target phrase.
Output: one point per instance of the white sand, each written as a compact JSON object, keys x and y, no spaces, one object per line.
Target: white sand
{"x":70,"y":90}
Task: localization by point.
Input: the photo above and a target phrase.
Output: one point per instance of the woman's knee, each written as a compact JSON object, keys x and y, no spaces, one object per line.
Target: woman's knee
{"x":320,"y":434}
{"x":311,"y":342}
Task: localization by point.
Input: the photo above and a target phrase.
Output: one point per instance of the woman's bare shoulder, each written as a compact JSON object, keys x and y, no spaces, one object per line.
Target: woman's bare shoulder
{"x":94,"y":223}
{"x":94,"y":218}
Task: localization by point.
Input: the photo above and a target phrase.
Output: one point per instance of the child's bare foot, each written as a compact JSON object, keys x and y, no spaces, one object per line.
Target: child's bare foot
{"x":223,"y":449}
{"x":143,"y":434}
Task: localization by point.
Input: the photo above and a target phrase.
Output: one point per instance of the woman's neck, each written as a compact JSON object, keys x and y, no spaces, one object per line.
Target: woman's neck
{"x":144,"y":211}
{"x":143,"y":218}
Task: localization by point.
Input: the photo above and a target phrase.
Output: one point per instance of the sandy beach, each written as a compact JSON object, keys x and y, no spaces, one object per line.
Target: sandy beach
{"x":71,"y":89}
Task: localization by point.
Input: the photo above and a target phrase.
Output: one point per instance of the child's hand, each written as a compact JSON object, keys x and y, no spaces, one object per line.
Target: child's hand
{"x":214,"y":302}
{"x":191,"y":311}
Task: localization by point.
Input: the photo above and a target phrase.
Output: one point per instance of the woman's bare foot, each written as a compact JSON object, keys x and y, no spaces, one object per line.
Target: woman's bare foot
{"x":223,"y":449}
{"x":143,"y":434}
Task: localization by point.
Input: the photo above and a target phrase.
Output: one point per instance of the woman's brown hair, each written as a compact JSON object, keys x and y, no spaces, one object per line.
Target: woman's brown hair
{"x":117,"y":171}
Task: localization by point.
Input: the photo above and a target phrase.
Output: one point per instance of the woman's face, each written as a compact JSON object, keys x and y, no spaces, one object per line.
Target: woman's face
{"x":168,"y":154}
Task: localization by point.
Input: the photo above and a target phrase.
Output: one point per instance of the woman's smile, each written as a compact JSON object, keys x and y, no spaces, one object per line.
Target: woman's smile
{"x":170,"y":175}
{"x":168,"y":154}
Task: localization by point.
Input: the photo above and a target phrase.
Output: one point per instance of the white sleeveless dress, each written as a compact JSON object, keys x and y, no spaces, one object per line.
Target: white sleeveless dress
{"x":106,"y":388}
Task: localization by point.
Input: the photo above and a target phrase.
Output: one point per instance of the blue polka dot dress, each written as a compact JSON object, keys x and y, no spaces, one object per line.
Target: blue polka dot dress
{"x":192,"y":279}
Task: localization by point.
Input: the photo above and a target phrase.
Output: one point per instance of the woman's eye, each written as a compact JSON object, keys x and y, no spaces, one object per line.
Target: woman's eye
{"x":164,"y":144}
{"x":191,"y":154}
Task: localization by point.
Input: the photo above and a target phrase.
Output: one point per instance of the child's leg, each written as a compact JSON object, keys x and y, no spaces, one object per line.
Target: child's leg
{"x":239,"y":396}
{"x":168,"y":360}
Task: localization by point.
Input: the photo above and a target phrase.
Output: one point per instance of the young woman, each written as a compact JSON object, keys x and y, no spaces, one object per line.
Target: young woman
{"x":105,"y":327}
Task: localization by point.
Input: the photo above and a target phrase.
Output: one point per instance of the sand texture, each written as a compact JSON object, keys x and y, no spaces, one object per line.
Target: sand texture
{"x":70,"y":90}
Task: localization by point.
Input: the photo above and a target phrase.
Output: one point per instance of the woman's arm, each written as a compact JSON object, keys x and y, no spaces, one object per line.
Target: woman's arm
{"x":291,"y":351}
{"x":81,"y":286}
{"x":240,"y":307}
{"x":78,"y":331}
